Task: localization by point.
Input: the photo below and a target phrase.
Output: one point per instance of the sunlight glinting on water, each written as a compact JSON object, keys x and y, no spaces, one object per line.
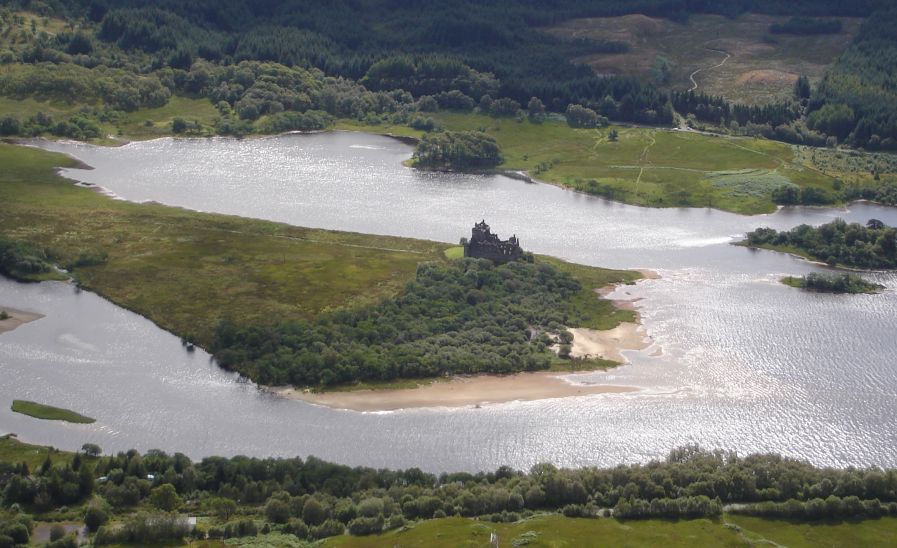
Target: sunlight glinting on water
{"x":738,"y":360}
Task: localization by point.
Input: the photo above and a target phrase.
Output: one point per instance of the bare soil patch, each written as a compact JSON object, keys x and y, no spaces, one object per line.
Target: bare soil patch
{"x":690,"y":47}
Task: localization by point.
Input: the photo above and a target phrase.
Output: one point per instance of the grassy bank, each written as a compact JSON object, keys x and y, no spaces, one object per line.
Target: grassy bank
{"x":648,"y":167}
{"x":643,"y":166}
{"x":187,"y":270}
{"x":48,"y":412}
{"x":13,"y":451}
{"x":557,"y":531}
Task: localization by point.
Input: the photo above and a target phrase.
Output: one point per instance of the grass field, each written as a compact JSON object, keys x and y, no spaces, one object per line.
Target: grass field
{"x":648,"y":167}
{"x":558,"y":532}
{"x":186,"y":271}
{"x":12,"y":451}
{"x":48,"y":412}
{"x":761,"y":69}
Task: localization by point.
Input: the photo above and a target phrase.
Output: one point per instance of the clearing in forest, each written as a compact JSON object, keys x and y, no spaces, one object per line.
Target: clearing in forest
{"x":760,"y":67}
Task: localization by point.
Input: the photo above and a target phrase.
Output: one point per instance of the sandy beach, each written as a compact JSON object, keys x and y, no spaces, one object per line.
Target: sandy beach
{"x":464,"y":391}
{"x":16,"y":318}
{"x":591,"y":343}
{"x":458,"y":392}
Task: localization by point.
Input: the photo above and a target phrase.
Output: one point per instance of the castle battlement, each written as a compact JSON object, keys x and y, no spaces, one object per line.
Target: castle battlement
{"x":483,"y":244}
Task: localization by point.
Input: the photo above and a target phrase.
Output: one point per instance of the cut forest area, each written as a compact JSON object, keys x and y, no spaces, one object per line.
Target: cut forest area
{"x":739,"y":59}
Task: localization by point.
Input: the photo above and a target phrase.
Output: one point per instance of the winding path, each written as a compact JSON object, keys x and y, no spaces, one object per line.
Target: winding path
{"x":694,"y":83}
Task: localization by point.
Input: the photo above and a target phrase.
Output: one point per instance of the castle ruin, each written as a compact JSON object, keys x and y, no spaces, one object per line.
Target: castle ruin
{"x":483,"y":244}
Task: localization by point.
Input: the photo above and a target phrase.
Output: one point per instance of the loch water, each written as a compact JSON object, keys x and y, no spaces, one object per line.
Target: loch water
{"x":738,"y":360}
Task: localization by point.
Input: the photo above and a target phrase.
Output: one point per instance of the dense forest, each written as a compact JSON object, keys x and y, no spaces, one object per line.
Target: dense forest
{"x":386,"y":59}
{"x":468,"y":316}
{"x":149,"y":494}
{"x":836,"y":243}
{"x":857,"y":101}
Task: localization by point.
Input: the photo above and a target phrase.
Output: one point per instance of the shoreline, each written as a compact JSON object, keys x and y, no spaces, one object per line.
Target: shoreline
{"x":461,"y":391}
{"x":489,"y":389}
{"x":17,"y":318}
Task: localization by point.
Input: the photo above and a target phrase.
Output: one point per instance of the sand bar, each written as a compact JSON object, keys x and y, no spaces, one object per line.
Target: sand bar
{"x":16,"y":318}
{"x":607,"y":344}
{"x":458,"y":392}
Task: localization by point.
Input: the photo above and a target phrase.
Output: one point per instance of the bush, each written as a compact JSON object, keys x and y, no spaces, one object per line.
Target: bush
{"x":277,"y":511}
{"x":579,"y":116}
{"x":297,"y":527}
{"x":57,"y":531}
{"x":365,"y":526}
{"x":330,"y":528}
{"x":95,"y":517}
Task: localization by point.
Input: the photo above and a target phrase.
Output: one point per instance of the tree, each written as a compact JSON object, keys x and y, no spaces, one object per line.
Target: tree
{"x":165,"y":497}
{"x":224,"y":508}
{"x":95,"y":517}
{"x":613,"y":135}
{"x":802,"y":87}
{"x":660,"y":70}
{"x":579,"y":116}
{"x":313,"y":513}
{"x":535,"y":110}
{"x":277,"y":511}
{"x":57,"y":531}
{"x":179,"y":125}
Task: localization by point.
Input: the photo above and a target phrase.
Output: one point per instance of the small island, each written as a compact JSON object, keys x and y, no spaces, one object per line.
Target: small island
{"x":838,"y":243}
{"x":457,"y":151}
{"x":833,"y":283}
{"x":48,"y":412}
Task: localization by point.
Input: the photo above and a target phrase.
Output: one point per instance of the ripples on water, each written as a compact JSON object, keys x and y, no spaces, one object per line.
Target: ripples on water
{"x":746,"y":363}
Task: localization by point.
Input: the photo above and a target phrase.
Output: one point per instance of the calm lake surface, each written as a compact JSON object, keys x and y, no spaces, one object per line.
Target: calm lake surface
{"x":739,"y":361}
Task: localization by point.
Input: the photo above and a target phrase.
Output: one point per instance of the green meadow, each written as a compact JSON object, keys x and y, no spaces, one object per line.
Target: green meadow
{"x":48,"y":412}
{"x":556,"y":531}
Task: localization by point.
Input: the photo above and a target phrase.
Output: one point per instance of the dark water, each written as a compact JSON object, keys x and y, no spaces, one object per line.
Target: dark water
{"x":744,"y":363}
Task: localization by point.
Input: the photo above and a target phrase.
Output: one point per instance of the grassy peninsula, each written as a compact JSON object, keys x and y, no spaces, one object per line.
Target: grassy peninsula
{"x":833,"y":283}
{"x":48,"y":412}
{"x":152,"y":256}
{"x":838,"y":243}
{"x":249,"y":276}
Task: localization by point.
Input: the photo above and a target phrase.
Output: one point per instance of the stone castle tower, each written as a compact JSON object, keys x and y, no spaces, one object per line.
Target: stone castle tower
{"x":484,"y":244}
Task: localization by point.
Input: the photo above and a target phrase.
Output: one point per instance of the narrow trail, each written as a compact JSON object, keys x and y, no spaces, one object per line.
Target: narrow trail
{"x":694,"y":83}
{"x":642,"y":159}
{"x":329,"y":242}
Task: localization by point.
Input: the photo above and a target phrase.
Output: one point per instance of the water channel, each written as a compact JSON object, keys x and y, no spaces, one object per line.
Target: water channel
{"x":739,"y":361}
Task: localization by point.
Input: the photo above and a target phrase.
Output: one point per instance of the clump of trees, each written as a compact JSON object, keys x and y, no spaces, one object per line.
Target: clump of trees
{"x":791,"y":194}
{"x":579,"y":116}
{"x":833,"y":283}
{"x":312,"y":499}
{"x":469,"y":316}
{"x":837,"y":242}
{"x":22,"y":261}
{"x":459,"y":150}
